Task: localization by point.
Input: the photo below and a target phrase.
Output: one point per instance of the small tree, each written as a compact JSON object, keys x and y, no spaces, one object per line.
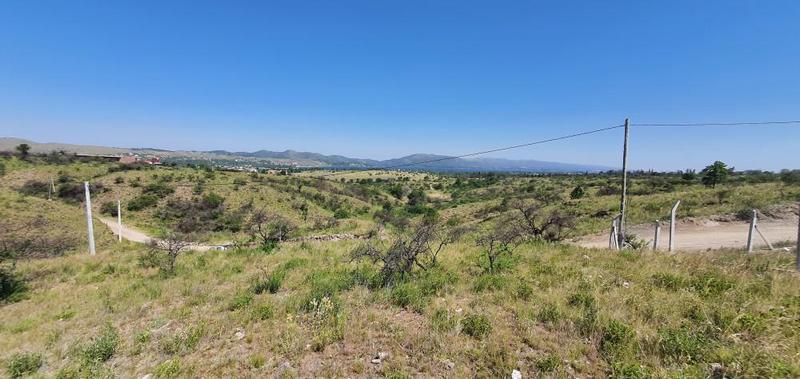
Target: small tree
{"x":499,"y":241}
{"x":168,"y":248}
{"x":268,"y":229}
{"x":577,"y":193}
{"x":715,"y":173}
{"x":23,"y":150}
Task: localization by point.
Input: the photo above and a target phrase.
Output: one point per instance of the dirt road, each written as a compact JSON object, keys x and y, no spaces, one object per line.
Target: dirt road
{"x":708,"y":234}
{"x":134,"y":235}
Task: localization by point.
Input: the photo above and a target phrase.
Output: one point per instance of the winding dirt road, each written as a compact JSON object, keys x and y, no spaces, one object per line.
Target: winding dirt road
{"x":134,"y":235}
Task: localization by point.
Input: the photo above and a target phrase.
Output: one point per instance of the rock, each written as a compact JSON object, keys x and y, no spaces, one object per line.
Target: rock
{"x":716,"y":369}
{"x":148,"y":376}
{"x":516,"y":374}
{"x":585,"y":256}
{"x":378,"y":358}
{"x":285,"y":365}
{"x":239,"y":335}
{"x":626,"y":284}
{"x":448,"y":364}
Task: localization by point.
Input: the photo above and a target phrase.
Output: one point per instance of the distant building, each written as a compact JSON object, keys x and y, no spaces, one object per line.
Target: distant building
{"x":129,"y":159}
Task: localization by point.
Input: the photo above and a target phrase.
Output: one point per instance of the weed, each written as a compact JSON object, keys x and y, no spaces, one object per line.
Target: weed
{"x":25,"y":363}
{"x":167,"y":369}
{"x":475,"y":325}
{"x":263,"y":312}
{"x":240,"y":301}
{"x":549,"y":314}
{"x":102,"y":347}
{"x":681,"y":345}
{"x":272,"y":283}
{"x":441,"y":320}
{"x":548,"y":363}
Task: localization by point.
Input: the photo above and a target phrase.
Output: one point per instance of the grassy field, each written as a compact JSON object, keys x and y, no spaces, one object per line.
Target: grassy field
{"x":309,"y":309}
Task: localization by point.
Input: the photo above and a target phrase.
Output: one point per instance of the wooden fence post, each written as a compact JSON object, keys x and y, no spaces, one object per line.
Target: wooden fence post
{"x":657,"y":237}
{"x":752,"y":231}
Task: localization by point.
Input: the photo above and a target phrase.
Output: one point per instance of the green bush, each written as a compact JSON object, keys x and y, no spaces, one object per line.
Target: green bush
{"x":141,"y":202}
{"x":272,"y":283}
{"x":548,"y":363}
{"x":681,"y":345}
{"x":476,"y":326}
{"x":22,"y":364}
{"x":102,"y":347}
{"x":549,"y":314}
{"x":240,"y":300}
{"x":158,"y":189}
{"x":109,"y":208}
{"x":263,"y":312}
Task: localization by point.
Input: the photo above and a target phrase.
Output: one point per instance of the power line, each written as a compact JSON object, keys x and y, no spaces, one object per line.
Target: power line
{"x":695,"y":124}
{"x":489,"y":151}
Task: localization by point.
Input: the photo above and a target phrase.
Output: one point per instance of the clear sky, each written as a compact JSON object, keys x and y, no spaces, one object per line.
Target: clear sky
{"x":381,"y":79}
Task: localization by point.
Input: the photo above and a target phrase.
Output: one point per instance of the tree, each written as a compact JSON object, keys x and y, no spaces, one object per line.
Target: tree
{"x":23,"y":150}
{"x":499,"y":241}
{"x":268,"y":228}
{"x":167,"y":249}
{"x":539,"y":223}
{"x":715,"y":173}
{"x":577,"y":193}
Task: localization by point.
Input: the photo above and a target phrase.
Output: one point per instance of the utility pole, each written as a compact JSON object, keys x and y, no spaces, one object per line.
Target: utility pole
{"x":89,"y":225}
{"x":623,"y":199}
{"x":119,"y":220}
{"x":672,"y":225}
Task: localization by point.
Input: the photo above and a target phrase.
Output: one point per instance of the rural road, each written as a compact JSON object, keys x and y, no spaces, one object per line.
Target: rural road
{"x":707,"y":234}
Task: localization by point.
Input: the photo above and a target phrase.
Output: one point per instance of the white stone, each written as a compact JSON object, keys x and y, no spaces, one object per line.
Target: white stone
{"x":516,"y":374}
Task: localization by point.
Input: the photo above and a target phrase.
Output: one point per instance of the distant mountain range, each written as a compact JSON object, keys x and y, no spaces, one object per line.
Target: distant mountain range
{"x":290,"y":158}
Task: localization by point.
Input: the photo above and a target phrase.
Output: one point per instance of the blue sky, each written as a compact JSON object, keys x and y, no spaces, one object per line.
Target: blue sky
{"x":382,"y":79}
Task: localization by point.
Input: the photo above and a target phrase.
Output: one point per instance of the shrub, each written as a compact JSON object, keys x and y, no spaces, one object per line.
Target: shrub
{"x":668,"y":281}
{"x":109,"y":208}
{"x":616,"y":341}
{"x":577,"y":193}
{"x":23,"y":364}
{"x":549,"y":314}
{"x":158,"y":189}
{"x":476,"y":326}
{"x":681,"y":345}
{"x":548,"y":363}
{"x":102,"y":347}
{"x":443,"y":321}
{"x":168,"y":369}
{"x":407,"y":295}
{"x":240,"y":301}
{"x":35,"y":188}
{"x":271,"y":284}
{"x":141,"y":202}
{"x":263,"y":312}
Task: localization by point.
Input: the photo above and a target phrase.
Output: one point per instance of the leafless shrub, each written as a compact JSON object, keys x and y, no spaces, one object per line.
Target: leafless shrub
{"x":419,"y":250}
{"x":500,"y":241}
{"x":165,"y":251}
{"x":539,"y":223}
